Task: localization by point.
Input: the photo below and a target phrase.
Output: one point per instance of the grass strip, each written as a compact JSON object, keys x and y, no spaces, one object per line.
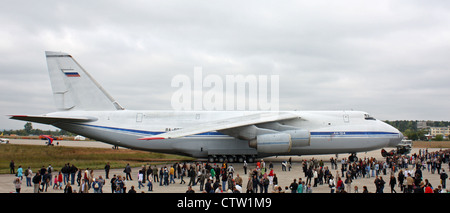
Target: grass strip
{"x":93,"y":158}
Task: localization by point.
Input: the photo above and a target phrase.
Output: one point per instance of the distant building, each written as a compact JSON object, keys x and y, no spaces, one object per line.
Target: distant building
{"x":422,"y":125}
{"x":445,"y":131}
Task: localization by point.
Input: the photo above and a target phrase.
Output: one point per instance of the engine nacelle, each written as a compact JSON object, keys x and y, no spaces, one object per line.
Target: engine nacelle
{"x":272,"y":143}
{"x":299,"y":137}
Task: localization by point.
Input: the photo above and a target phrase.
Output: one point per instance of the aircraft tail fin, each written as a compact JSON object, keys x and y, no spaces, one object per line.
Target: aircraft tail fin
{"x":73,"y":87}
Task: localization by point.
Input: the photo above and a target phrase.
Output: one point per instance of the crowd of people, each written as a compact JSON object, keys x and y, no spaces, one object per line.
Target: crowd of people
{"x":403,"y":173}
{"x":408,"y":169}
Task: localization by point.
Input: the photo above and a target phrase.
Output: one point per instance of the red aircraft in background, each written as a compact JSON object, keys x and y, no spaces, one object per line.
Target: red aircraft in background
{"x":49,"y":138}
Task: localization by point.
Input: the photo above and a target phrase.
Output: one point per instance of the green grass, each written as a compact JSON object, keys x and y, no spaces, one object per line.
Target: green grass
{"x":92,"y":158}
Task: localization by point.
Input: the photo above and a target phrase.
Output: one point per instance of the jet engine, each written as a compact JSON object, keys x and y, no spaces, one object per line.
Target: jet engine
{"x":272,"y":143}
{"x":299,"y":138}
{"x":281,"y":142}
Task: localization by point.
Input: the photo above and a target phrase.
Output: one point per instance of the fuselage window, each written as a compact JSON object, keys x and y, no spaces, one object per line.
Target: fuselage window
{"x":368,"y":117}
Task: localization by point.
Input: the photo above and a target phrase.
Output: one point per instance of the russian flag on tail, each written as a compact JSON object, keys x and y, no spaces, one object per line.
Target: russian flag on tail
{"x":70,"y":73}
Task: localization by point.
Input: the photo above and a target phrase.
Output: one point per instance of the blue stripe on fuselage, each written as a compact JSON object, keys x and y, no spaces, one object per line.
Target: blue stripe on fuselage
{"x":145,"y":132}
{"x":352,"y":134}
{"x":206,"y":134}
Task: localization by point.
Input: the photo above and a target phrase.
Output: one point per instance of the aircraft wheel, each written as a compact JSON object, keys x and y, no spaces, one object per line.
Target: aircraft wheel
{"x":250,"y":159}
{"x":230,"y":159}
{"x":221,"y":159}
{"x":240,"y":159}
{"x":211,"y":159}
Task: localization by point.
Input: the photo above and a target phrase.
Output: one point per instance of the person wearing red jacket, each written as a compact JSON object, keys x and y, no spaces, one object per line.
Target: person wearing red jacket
{"x":428,"y":189}
{"x":60,"y":180}
{"x":339,"y":185}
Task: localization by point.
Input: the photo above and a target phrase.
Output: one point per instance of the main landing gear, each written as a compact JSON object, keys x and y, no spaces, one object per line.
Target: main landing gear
{"x":231,"y":158}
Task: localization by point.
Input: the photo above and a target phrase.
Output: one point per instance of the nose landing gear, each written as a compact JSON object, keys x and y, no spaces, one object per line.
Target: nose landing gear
{"x":352,"y":157}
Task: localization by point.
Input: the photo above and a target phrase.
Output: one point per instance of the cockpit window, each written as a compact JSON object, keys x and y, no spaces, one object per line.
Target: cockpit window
{"x":368,"y":117}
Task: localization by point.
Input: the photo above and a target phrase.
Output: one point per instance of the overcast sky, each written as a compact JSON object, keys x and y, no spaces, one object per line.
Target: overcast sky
{"x":389,"y":58}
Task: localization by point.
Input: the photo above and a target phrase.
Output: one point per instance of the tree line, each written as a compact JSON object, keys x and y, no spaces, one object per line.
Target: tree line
{"x":410,"y":130}
{"x":29,"y":130}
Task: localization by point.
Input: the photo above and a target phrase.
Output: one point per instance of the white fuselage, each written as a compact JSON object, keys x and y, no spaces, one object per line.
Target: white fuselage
{"x":331,"y":132}
{"x":85,"y":108}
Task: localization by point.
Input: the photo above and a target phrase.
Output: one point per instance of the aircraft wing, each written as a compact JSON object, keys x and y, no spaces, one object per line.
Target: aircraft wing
{"x":49,"y":119}
{"x":228,"y":123}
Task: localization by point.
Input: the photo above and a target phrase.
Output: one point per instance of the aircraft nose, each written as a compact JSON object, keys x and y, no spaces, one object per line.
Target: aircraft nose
{"x":396,"y":140}
{"x":397,"y":136}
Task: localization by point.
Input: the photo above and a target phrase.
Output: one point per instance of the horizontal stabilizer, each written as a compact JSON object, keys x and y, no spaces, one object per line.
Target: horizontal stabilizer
{"x":228,"y":123}
{"x":50,"y":120}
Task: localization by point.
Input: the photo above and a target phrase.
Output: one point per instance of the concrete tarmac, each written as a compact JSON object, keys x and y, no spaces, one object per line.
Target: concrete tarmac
{"x":285,"y":178}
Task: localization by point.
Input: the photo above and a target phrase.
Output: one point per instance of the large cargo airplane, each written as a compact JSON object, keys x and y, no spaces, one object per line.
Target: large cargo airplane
{"x":85,"y":108}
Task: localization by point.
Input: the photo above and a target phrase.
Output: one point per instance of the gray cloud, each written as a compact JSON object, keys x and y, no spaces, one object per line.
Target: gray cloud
{"x":389,"y":58}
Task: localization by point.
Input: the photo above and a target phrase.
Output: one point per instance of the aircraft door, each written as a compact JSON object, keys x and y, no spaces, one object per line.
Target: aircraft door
{"x":139,"y":117}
